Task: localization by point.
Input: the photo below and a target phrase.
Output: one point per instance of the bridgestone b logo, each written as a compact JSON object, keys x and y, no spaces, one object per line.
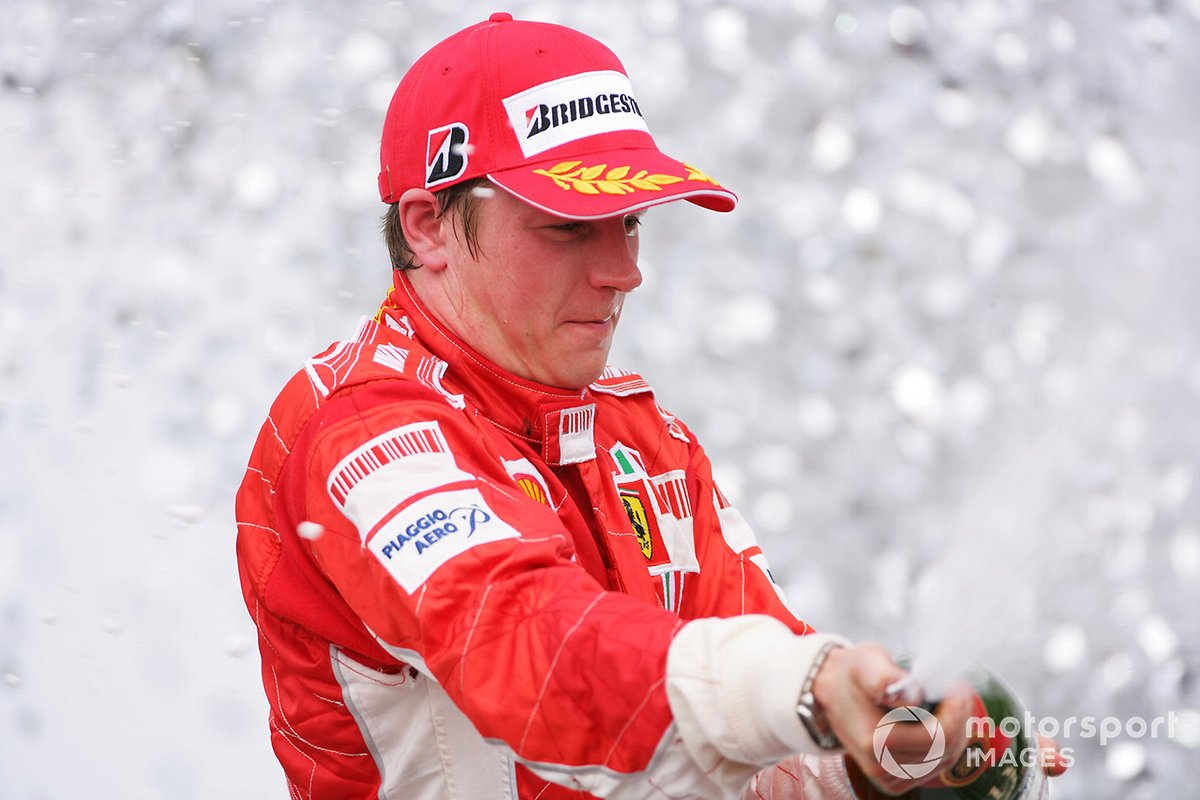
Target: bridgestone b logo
{"x":446,"y":153}
{"x":567,"y":109}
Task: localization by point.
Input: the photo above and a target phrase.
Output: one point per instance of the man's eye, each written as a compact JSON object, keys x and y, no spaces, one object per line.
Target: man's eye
{"x":632,"y":224}
{"x":568,"y":227}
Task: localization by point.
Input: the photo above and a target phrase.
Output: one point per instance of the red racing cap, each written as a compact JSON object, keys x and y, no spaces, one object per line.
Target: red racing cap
{"x":542,"y":111}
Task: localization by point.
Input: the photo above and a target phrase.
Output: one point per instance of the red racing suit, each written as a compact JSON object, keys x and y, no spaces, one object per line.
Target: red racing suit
{"x":469,"y":585}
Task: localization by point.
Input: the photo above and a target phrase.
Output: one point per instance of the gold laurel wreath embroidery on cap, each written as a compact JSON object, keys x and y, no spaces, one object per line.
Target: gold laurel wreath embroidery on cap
{"x":696,"y":175}
{"x":587,"y":180}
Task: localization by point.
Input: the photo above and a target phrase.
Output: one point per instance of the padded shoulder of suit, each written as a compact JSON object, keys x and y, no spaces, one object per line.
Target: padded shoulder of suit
{"x":620,"y":383}
{"x":638,"y":398}
{"x":378,"y":351}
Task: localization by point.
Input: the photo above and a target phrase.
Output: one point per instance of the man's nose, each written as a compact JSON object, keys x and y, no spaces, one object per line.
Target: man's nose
{"x":616,"y":266}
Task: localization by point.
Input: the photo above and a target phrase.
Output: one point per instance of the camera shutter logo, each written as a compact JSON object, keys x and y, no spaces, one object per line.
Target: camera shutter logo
{"x":908,"y":715}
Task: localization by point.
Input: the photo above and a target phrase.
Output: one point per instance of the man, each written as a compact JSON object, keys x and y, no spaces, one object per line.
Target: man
{"x":482,"y":563}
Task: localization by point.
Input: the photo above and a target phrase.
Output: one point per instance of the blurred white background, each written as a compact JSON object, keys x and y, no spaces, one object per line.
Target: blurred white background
{"x":945,"y":353}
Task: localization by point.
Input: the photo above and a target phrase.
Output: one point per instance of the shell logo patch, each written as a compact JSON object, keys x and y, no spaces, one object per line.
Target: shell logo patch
{"x":532,"y":489}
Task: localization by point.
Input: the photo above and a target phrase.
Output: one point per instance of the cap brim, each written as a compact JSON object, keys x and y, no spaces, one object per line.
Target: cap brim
{"x":611,"y":183}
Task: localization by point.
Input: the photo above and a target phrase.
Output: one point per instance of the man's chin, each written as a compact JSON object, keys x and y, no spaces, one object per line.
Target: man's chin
{"x":581,"y":373}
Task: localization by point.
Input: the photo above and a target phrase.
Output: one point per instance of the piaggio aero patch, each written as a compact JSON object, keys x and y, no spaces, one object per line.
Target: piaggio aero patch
{"x":430,"y":531}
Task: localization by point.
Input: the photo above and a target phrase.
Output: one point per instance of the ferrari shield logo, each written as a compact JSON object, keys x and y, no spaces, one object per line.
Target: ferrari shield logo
{"x":639,"y":521}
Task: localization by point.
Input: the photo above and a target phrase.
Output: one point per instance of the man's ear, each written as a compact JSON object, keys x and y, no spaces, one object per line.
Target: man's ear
{"x":425,"y":228}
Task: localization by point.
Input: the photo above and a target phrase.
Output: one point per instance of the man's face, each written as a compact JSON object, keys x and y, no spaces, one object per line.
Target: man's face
{"x":541,"y":295}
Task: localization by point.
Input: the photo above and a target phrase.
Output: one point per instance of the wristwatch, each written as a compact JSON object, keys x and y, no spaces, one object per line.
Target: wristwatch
{"x":810,"y":712}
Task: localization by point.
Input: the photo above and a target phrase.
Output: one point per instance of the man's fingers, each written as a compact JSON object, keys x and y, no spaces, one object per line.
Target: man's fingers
{"x":873,"y":671}
{"x":953,"y":711}
{"x":865,"y":686}
{"x":1050,"y":756}
{"x":905,"y":691}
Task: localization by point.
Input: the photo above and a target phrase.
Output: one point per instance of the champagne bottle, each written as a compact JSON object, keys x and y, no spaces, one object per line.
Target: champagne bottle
{"x":1001,"y":760}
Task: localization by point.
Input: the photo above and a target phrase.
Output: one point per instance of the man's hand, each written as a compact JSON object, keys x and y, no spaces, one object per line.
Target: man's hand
{"x":1050,"y":756}
{"x":852,"y":690}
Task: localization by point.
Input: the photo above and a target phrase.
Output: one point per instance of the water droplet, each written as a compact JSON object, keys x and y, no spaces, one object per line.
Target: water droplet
{"x":725,"y":31}
{"x":970,"y":402}
{"x":845,"y":23}
{"x":824,"y":293}
{"x":1011,"y":52}
{"x":817,"y":416}
{"x":187,"y":514}
{"x":1186,"y":727}
{"x":862,"y":210}
{"x":990,"y":244}
{"x":1035,"y":327}
{"x":944,"y":296}
{"x":832,"y":147}
{"x":906,"y":25}
{"x":1028,"y":137}
{"x":1061,"y":35}
{"x":257,"y":185}
{"x":751,"y":319}
{"x":660,"y":16}
{"x":238,"y":646}
{"x":1184,"y":553}
{"x":1117,"y":671}
{"x":1130,"y":428}
{"x":1157,"y":639}
{"x":1109,"y":162}
{"x":915,"y":444}
{"x":364,"y":55}
{"x":310,"y":530}
{"x":809,"y":8}
{"x":1155,"y":31}
{"x":918,"y":393}
{"x":1065,"y":648}
{"x":1125,"y":760}
{"x":223,"y":415}
{"x":773,"y":510}
{"x":954,"y":108}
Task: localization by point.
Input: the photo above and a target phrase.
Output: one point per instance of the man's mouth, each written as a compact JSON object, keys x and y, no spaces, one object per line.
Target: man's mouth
{"x":597,"y":320}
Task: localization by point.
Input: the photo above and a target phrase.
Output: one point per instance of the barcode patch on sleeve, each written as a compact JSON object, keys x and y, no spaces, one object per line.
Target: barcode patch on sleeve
{"x":409,"y":440}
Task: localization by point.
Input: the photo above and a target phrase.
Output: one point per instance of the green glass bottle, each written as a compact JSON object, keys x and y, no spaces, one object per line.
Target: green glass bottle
{"x":1001,"y":760}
